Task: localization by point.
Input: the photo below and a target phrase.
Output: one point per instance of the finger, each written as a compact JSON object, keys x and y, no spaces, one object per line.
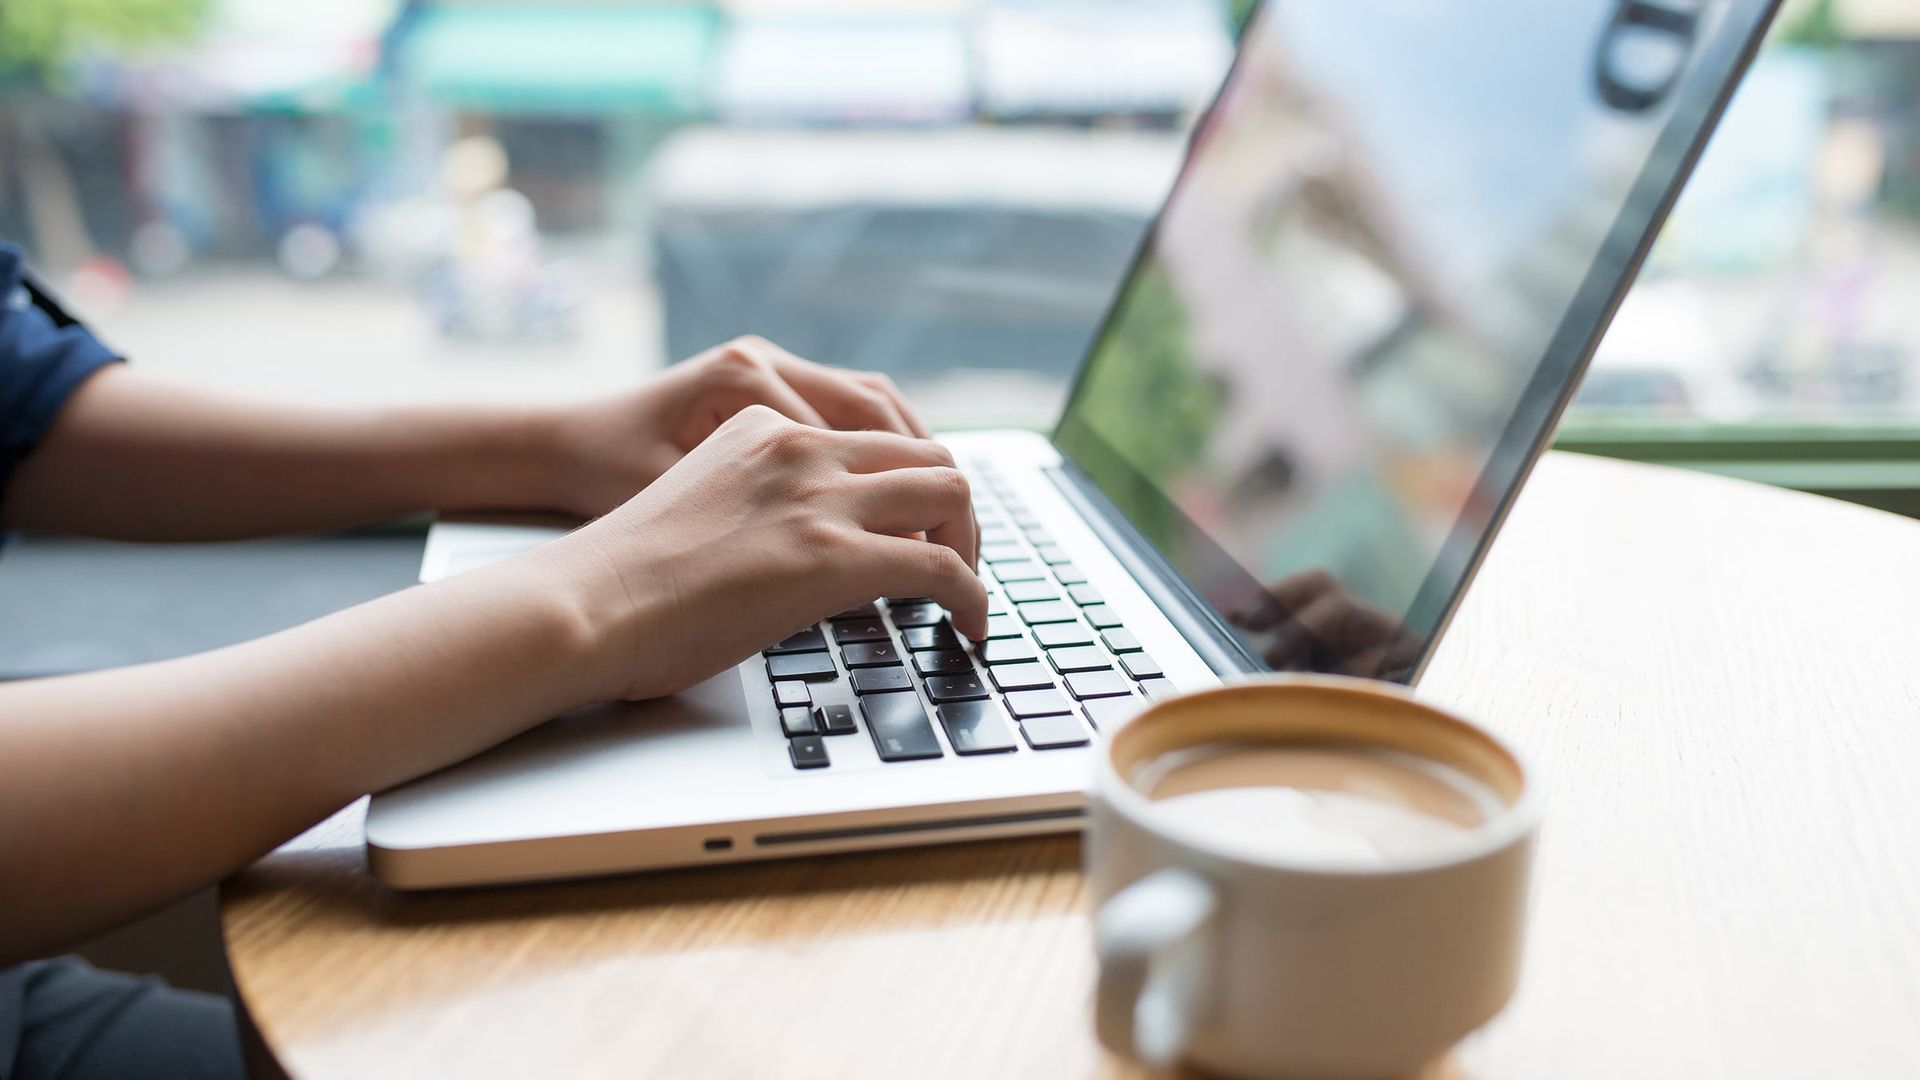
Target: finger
{"x":878,"y":451}
{"x":1299,"y":590}
{"x":845,"y":402}
{"x":888,"y":404}
{"x":766,"y":387}
{"x":903,"y":567}
{"x":1281,"y":599}
{"x":934,"y":502}
{"x":1335,"y":623}
{"x":885,"y":386}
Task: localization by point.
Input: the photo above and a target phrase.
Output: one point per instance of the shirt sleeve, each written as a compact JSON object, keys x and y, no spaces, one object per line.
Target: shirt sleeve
{"x":44,"y":357}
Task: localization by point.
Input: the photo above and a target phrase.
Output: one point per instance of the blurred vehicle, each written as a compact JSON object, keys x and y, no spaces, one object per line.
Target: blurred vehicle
{"x":909,"y":252}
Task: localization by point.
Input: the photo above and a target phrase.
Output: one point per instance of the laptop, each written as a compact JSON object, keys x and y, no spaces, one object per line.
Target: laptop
{"x":1399,"y":233}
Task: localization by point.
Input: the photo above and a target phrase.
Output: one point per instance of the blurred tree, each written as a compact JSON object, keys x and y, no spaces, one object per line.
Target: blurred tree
{"x":1240,"y":11}
{"x":1813,"y":23}
{"x":1152,"y":399}
{"x":39,"y":39}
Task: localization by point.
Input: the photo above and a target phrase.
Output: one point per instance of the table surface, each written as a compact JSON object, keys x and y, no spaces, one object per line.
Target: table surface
{"x":1717,"y":681}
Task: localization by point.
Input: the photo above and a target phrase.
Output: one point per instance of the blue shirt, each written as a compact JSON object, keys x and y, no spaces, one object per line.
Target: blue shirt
{"x":44,"y":357}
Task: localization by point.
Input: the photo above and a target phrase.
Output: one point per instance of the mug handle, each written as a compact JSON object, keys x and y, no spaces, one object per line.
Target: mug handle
{"x":1138,"y":1010}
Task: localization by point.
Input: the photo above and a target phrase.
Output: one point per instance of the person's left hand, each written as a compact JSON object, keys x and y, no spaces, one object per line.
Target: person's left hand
{"x":608,"y":450}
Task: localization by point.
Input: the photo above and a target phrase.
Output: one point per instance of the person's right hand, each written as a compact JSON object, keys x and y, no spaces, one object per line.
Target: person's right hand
{"x":764,"y":528}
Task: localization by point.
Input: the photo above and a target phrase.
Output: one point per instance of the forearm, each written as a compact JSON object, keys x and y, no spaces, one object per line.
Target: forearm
{"x":122,"y":789}
{"x":137,"y":458}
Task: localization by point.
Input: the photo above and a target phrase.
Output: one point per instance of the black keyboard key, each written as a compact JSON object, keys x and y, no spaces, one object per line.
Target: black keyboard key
{"x":1141,"y":666}
{"x":1053,"y":732}
{"x":999,"y":553}
{"x":1038,"y":703}
{"x":1026,"y":592}
{"x":1024,"y":570}
{"x":798,"y":722}
{"x":902,"y":601}
{"x":942,"y":662}
{"x":939,"y":636}
{"x":808,"y":752}
{"x":812,"y":666}
{"x":899,"y":726}
{"x":881,"y":680}
{"x":1079,"y":658}
{"x":870,"y":654}
{"x":909,"y":615}
{"x":1158,"y":688}
{"x":1121,"y":640}
{"x":1021,"y":677}
{"x":1101,"y":617}
{"x":1002,"y":626}
{"x":976,"y":727}
{"x":1106,"y":713}
{"x":1069,"y":574}
{"x":845,"y":633}
{"x":1053,"y":554}
{"x":1054,"y":635}
{"x":1007,"y":651}
{"x":1088,"y":684}
{"x":956,"y":687}
{"x":808,"y":640}
{"x":1046,"y":611}
{"x":856,"y":614}
{"x":788,"y":693}
{"x":1085,"y":595}
{"x":835,"y":719}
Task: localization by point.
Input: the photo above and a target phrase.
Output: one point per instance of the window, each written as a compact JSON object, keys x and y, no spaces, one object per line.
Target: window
{"x":498,"y":199}
{"x":1774,"y":333}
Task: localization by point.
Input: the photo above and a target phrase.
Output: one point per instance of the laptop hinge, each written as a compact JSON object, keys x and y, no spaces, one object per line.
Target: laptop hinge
{"x":1190,"y":614}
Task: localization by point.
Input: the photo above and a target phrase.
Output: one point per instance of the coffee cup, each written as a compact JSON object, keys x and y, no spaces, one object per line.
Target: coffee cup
{"x":1305,"y":876}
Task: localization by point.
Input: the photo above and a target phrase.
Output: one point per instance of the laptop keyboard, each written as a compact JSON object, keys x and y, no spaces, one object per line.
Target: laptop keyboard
{"x":1055,"y":667}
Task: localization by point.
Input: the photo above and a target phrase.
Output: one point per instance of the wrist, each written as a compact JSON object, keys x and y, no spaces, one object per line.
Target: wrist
{"x":496,"y":458}
{"x":604,"y":613}
{"x":566,"y":620}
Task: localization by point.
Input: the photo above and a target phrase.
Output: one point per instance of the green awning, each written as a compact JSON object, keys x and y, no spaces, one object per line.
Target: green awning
{"x":561,"y":59}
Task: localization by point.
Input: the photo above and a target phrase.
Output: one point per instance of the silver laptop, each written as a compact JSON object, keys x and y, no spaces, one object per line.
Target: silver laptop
{"x":1399,"y":233}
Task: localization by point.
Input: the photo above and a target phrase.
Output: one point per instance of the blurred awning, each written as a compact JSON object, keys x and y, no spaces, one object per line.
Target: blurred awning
{"x":561,"y":59}
{"x":837,"y":71}
{"x":1089,"y":58}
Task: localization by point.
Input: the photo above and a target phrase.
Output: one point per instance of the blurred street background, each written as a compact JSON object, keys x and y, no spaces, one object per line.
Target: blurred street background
{"x":385,"y":199}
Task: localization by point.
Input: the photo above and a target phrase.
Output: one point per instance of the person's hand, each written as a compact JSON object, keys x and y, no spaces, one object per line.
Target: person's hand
{"x":607,"y":450}
{"x":1310,"y":622}
{"x":767,"y":526}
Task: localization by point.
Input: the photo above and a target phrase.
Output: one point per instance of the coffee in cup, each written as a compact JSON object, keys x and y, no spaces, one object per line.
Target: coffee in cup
{"x":1305,"y":876}
{"x":1364,"y":805}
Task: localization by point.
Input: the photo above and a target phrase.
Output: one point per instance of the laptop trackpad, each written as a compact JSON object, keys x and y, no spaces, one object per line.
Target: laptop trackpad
{"x":585,"y":772}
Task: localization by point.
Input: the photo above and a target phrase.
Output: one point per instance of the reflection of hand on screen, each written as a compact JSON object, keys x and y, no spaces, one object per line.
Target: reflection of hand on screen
{"x":1309,"y":622}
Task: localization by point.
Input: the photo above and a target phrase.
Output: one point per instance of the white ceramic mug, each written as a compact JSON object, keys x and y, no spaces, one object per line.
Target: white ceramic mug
{"x":1273,"y":964}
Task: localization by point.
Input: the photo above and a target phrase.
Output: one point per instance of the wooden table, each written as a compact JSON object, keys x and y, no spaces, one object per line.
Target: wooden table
{"x":1720,"y":683}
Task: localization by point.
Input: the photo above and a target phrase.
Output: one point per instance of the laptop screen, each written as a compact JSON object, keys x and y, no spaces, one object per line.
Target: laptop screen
{"x":1398,"y":235}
